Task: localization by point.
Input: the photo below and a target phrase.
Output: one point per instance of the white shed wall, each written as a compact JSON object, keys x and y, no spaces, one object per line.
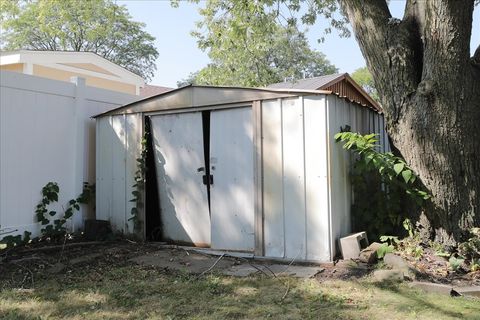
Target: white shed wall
{"x":46,"y":134}
{"x":295,"y":194}
{"x":118,"y":147}
{"x":362,"y":120}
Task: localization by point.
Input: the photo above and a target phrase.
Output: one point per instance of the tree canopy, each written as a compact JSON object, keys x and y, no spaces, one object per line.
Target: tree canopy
{"x":425,"y":75}
{"x":99,"y":26}
{"x":364,"y":78}
{"x":249,"y":47}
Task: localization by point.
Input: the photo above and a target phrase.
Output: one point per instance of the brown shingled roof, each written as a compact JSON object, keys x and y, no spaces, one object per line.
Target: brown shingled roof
{"x":151,"y":90}
{"x":339,"y":83}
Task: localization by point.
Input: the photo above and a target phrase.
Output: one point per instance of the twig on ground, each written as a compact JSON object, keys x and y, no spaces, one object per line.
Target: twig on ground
{"x":30,"y":271}
{"x":291,"y":262}
{"x":128,"y":240}
{"x":68,"y":245}
{"x":286,"y":291}
{"x":212,"y":266}
{"x":63,"y":248}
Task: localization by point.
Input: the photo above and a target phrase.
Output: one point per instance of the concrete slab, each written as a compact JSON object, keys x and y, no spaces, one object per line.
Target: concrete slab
{"x":244,"y":270}
{"x":192,"y":263}
{"x":430,"y":287}
{"x":197,"y":263}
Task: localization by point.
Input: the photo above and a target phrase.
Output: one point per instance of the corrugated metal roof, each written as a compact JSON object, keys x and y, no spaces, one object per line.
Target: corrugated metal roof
{"x":193,"y":96}
{"x":310,"y":83}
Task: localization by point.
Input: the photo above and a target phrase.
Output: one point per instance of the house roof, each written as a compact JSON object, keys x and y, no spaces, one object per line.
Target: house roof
{"x":88,"y":63}
{"x":339,"y":83}
{"x":315,"y":83}
{"x":151,"y":90}
{"x":193,"y":96}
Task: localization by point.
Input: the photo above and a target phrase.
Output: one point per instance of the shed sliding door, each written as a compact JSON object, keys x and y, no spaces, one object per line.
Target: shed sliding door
{"x":231,"y":164}
{"x":180,"y":162}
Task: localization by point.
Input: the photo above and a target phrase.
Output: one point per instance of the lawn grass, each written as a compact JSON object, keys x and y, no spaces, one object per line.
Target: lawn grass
{"x":135,"y":292}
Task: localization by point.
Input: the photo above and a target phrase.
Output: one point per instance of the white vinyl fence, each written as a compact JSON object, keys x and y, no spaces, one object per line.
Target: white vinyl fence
{"x":46,"y":134}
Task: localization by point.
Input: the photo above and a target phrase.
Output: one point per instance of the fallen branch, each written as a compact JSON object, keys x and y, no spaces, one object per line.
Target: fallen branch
{"x":286,"y":291}
{"x":68,"y":245}
{"x":213,"y":266}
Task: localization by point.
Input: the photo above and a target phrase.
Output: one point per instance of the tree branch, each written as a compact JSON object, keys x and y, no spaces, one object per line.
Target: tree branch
{"x":476,"y":56}
{"x":390,"y":47}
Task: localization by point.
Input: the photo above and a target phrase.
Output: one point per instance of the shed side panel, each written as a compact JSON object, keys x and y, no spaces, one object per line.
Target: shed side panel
{"x":316,"y":183}
{"x":119,"y":144}
{"x":272,"y":175}
{"x":338,"y":117}
{"x":294,"y":178}
{"x":103,"y":153}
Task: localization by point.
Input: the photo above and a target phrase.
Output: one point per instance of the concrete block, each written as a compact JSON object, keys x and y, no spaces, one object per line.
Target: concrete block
{"x":352,"y":245}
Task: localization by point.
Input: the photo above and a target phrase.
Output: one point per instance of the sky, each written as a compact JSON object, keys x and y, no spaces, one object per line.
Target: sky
{"x":179,"y":54}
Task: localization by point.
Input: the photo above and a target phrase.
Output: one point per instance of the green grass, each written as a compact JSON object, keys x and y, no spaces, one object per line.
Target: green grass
{"x":134,"y":292}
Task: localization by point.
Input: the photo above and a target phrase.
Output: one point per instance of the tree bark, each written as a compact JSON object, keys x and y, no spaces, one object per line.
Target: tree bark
{"x":429,"y":88}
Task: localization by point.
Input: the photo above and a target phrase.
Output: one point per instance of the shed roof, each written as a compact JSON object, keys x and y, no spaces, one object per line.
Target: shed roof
{"x":315,"y":83}
{"x":194,"y":96}
{"x":339,"y":83}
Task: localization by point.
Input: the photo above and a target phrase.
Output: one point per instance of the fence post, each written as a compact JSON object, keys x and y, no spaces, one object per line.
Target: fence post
{"x":80,"y":150}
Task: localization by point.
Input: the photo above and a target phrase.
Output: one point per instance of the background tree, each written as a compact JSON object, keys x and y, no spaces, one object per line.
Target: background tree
{"x":364,"y":78}
{"x":98,"y":26}
{"x":427,"y":81}
{"x":249,"y":47}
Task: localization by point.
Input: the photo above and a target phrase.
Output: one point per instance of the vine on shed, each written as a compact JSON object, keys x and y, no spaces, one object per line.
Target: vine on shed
{"x":139,"y":186}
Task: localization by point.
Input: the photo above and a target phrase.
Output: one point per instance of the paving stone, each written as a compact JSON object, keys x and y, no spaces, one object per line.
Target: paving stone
{"x":369,"y":254}
{"x":395,"y":262}
{"x":388,"y":275}
{"x":472,"y":291}
{"x":432,"y":287}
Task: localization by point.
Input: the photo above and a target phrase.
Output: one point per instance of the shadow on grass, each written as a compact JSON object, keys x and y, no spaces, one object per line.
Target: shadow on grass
{"x":136,"y":293}
{"x":420,"y":300}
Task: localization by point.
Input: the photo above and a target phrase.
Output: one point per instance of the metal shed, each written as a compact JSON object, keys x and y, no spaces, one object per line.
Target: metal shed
{"x":239,"y":169}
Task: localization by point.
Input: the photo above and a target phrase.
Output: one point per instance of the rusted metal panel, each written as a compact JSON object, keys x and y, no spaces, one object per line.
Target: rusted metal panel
{"x":232,"y":190}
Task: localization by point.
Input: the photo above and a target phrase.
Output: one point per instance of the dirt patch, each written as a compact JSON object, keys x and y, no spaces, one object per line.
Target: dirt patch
{"x":432,"y":268}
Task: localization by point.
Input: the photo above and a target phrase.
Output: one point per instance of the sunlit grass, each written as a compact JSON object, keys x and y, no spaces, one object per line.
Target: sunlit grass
{"x":133,"y":292}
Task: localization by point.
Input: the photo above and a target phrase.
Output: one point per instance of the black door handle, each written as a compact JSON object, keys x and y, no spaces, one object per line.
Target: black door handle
{"x":207,"y":181}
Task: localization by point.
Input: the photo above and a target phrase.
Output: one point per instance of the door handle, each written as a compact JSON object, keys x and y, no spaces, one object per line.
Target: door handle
{"x":207,"y":179}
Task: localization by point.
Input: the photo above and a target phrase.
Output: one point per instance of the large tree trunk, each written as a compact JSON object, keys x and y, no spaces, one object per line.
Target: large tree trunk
{"x":429,"y":87}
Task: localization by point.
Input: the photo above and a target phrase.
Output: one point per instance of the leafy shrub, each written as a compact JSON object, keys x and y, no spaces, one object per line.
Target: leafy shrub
{"x":56,"y":228}
{"x":382,"y":185}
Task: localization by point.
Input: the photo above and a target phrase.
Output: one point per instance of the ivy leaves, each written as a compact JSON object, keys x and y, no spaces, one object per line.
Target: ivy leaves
{"x":393,"y":168}
{"x":139,"y":186}
{"x":50,"y":194}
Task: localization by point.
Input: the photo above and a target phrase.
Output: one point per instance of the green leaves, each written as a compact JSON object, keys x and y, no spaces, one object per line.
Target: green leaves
{"x":50,"y":195}
{"x":392,"y":168}
{"x":398,"y":167}
{"x":99,"y":26}
{"x":249,"y":46}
